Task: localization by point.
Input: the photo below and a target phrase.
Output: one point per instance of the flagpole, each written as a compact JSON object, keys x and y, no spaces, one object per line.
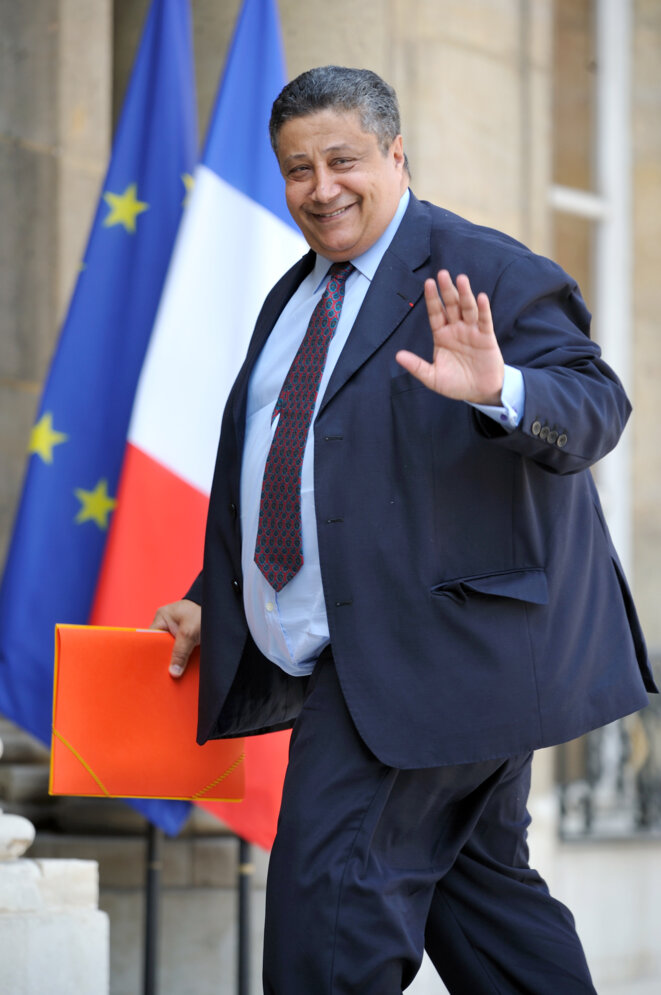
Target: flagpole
{"x":152,"y":904}
{"x":246,"y":870}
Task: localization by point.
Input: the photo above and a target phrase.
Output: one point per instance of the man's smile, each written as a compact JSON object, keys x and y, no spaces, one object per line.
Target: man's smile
{"x":329,"y":215}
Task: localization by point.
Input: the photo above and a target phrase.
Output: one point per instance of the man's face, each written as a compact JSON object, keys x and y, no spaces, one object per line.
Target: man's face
{"x":342,"y":191}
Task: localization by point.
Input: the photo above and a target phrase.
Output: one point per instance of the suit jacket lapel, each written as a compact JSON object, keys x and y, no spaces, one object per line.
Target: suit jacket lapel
{"x":269,"y":314}
{"x":394,"y":290}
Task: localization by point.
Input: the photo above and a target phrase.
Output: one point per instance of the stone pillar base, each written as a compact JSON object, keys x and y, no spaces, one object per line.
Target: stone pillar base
{"x":53,"y":938}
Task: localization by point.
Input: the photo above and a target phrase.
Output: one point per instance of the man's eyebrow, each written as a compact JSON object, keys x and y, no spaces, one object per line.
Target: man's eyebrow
{"x":343,"y":147}
{"x":296,"y":156}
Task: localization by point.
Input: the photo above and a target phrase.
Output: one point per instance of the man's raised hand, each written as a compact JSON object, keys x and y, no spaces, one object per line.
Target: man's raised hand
{"x":467,"y":363}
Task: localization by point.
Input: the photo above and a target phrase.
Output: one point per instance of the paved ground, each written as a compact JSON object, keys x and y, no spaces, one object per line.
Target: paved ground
{"x":428,"y":983}
{"x":643,"y":987}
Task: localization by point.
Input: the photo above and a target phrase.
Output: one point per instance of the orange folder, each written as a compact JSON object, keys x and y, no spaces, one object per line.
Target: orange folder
{"x":123,"y":728}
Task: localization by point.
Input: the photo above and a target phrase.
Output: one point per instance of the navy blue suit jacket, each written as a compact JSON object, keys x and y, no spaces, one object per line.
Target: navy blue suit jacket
{"x":476,"y":604}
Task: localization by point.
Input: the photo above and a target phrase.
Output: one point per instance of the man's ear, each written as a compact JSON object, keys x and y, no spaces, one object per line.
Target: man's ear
{"x":400,"y":160}
{"x":397,"y":150}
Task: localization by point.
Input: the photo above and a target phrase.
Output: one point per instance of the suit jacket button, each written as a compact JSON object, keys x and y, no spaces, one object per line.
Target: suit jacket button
{"x":233,"y":511}
{"x":562,"y":441}
{"x":552,"y":436}
{"x":236,"y":586}
{"x":536,"y":427}
{"x":544,"y":433}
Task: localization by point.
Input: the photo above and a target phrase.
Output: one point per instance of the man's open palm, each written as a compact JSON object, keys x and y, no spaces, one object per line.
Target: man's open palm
{"x":467,"y":364}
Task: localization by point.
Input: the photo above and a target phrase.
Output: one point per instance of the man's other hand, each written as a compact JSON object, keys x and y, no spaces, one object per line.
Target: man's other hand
{"x":183,"y":620}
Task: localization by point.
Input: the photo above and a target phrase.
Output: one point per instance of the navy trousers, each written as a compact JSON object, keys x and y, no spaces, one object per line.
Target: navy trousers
{"x":372,"y":864}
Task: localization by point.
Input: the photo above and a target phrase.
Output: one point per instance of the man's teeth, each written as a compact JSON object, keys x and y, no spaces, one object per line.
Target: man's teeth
{"x":334,"y":214}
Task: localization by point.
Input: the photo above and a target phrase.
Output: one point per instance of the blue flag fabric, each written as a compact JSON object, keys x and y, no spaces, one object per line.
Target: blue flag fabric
{"x":243,"y":107}
{"x":77,"y":444}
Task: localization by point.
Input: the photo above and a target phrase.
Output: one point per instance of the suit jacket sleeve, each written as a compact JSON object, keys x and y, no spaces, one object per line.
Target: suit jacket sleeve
{"x":575,"y":406}
{"x":194,"y":592}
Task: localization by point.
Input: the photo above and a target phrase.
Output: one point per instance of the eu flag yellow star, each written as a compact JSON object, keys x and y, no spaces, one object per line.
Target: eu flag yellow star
{"x":188,"y":182}
{"x":95,"y":506}
{"x":43,"y":438}
{"x":124,"y":208}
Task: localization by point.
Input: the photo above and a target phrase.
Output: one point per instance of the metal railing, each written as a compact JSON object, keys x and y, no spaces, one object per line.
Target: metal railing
{"x":610,"y":780}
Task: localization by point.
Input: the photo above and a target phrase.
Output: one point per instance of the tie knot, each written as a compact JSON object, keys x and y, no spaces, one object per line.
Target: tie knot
{"x":340,"y":271}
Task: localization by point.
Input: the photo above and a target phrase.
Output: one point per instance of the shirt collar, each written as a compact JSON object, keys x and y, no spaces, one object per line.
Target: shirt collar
{"x":367,"y":262}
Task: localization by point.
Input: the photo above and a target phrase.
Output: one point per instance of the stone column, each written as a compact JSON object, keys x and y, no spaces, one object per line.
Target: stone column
{"x":55,"y":130}
{"x":52,"y":936}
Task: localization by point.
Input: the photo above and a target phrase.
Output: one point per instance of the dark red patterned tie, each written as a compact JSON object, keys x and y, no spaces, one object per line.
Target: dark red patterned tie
{"x":279,"y":545}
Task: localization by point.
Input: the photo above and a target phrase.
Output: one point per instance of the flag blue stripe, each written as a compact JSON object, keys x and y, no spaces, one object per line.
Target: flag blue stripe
{"x":238,"y":147}
{"x":53,"y":562}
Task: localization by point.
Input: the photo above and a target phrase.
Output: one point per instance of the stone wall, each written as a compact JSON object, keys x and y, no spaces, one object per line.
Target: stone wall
{"x":55,"y":112}
{"x":646,"y":152}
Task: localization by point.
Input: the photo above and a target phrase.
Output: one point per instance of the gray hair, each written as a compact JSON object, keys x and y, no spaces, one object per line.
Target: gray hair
{"x":339,"y":88}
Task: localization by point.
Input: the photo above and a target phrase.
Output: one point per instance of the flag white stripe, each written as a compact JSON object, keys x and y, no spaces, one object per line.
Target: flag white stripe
{"x":229,"y":253}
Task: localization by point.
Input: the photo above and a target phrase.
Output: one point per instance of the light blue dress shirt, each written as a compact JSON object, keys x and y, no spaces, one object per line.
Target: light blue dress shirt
{"x":291,"y":627}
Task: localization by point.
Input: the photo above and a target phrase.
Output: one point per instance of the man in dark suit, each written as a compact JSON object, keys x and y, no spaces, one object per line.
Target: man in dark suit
{"x":406,"y":562}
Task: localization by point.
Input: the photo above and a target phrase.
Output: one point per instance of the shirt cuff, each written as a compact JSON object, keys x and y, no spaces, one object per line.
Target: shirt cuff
{"x":512,"y":396}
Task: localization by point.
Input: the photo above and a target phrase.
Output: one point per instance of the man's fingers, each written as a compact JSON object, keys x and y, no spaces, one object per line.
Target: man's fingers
{"x":183,"y":620}
{"x":467,"y":303}
{"x":417,"y":366}
{"x":450,"y":296}
{"x":435,"y":309}
{"x":184,"y":645}
{"x":187,"y":636}
{"x":484,"y":318}
{"x":458,"y":301}
{"x":161,"y":622}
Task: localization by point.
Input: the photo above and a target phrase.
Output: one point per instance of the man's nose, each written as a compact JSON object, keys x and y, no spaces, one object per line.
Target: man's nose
{"x":326,"y":186}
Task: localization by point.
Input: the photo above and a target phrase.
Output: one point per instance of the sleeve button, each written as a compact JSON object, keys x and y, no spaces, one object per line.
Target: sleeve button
{"x":536,"y":427}
{"x":561,"y":441}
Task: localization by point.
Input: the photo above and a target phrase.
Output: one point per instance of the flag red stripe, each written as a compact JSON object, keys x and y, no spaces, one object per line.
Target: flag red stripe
{"x":153,"y":553}
{"x":155,"y":546}
{"x":255,"y":818}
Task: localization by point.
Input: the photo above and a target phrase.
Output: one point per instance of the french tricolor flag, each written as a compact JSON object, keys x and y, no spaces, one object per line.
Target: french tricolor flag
{"x":234,"y":242}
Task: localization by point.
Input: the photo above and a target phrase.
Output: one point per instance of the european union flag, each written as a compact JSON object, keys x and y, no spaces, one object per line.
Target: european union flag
{"x":77,"y":444}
